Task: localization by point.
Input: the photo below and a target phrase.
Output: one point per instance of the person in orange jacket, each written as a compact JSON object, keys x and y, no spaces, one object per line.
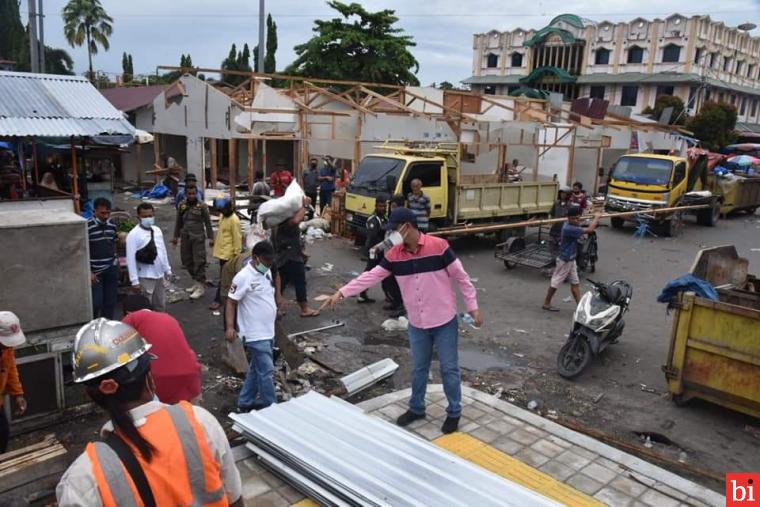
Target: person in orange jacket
{"x":10,"y":336}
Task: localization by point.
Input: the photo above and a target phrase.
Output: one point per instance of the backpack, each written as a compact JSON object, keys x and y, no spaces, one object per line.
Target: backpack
{"x":148,"y":253}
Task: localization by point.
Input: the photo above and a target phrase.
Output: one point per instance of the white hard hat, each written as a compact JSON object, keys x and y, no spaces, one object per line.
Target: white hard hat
{"x":10,"y":330}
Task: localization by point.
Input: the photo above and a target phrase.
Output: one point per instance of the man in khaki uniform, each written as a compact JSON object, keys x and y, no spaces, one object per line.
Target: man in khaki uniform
{"x":192,"y":218}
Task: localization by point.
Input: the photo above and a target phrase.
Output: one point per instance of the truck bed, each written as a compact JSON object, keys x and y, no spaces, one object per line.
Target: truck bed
{"x":481,"y":201}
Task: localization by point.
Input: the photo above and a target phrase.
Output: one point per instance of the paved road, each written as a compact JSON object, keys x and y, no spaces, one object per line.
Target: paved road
{"x":517,"y":347}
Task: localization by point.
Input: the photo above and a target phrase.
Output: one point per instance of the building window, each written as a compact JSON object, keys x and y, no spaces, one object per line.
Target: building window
{"x":739,"y":68}
{"x":492,"y":61}
{"x":597,"y":92}
{"x":698,"y":56}
{"x":602,"y":57}
{"x":753,"y":110}
{"x":742,"y":106}
{"x":517,"y":59}
{"x":692,"y":97}
{"x":664,"y":90}
{"x":630,"y":92}
{"x":635,"y":54}
{"x":707,"y":95}
{"x":750,"y":70}
{"x":489,"y":90}
{"x":671,"y":53}
{"x":713,"y":60}
{"x":726,"y":64}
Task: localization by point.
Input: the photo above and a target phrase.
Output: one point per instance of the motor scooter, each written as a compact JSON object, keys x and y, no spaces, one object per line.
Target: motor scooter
{"x":597,"y":323}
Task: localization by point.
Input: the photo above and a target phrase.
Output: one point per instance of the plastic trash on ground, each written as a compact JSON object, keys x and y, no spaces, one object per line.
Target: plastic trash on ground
{"x":400,"y":324}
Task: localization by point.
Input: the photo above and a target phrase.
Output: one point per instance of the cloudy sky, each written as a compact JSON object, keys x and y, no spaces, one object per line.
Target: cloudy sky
{"x":158,"y":32}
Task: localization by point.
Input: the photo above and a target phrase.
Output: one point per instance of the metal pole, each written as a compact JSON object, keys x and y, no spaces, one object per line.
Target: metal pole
{"x":41,"y":18}
{"x":262,"y":38}
{"x":33,"y":43}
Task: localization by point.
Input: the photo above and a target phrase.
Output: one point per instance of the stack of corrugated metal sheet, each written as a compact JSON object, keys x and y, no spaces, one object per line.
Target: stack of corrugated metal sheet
{"x":338,"y":455}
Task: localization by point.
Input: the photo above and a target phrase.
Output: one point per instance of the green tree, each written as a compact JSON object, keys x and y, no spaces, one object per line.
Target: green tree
{"x":714,"y":125}
{"x":58,"y":61}
{"x":131,"y":66}
{"x":255,"y":56}
{"x":367,"y":48}
{"x":664,"y":101}
{"x":271,"y":48}
{"x":12,"y":33}
{"x":239,"y":61}
{"x":86,"y":22}
{"x":445,"y":85}
{"x":126,"y":72}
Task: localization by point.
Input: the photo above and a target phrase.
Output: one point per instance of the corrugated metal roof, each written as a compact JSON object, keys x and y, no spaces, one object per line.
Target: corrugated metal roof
{"x":51,"y":105}
{"x":368,"y":461}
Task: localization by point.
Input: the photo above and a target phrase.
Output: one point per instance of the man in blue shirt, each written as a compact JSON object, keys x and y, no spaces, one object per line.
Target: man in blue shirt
{"x":565,"y":267}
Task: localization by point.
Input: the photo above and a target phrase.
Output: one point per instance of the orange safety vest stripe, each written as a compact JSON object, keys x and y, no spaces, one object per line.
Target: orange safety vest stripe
{"x":170,"y":481}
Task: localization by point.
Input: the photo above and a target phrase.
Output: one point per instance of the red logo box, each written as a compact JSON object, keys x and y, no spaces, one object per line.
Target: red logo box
{"x":743,"y":490}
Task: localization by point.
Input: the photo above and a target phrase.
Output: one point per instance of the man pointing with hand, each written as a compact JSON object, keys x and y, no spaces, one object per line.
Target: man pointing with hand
{"x":424,"y":267}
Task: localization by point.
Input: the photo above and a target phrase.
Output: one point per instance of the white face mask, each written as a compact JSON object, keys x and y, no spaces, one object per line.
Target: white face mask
{"x":395,"y":238}
{"x":147,"y":221}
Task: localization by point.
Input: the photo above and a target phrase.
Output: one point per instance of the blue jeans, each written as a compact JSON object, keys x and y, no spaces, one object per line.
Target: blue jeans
{"x":258,"y":388}
{"x":104,"y":293}
{"x":446,"y":339}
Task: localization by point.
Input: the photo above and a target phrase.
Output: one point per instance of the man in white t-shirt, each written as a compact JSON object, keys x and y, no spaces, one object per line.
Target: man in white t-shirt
{"x":147,"y":261}
{"x":252,"y":296}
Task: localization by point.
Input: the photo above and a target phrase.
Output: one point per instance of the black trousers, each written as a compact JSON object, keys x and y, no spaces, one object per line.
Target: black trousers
{"x":389,"y":285}
{"x":4,"y":431}
{"x":294,"y":272}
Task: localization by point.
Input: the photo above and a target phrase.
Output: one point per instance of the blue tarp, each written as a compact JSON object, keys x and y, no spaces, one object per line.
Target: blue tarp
{"x":687,"y":283}
{"x":159,"y":191}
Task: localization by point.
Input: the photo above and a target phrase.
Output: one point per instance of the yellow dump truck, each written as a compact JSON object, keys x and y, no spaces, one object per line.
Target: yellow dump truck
{"x":455,"y":199}
{"x":715,"y":345}
{"x":645,"y":181}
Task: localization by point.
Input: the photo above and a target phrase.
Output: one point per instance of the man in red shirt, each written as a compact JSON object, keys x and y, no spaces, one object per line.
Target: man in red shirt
{"x":280,"y":179}
{"x":176,"y":369}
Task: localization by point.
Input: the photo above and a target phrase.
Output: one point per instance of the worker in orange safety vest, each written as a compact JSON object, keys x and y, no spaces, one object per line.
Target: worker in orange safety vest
{"x":151,"y":454}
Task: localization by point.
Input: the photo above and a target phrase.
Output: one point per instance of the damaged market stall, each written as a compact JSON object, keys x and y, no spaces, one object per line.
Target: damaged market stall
{"x":44,"y":251}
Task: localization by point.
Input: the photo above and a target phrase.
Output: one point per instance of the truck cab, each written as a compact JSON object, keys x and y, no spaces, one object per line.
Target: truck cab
{"x":392,"y":174}
{"x":644,"y":181}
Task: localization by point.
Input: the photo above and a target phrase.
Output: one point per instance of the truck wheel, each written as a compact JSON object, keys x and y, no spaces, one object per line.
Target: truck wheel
{"x":514,"y":245}
{"x":673,"y":227}
{"x":617,"y":222}
{"x":709,"y":216}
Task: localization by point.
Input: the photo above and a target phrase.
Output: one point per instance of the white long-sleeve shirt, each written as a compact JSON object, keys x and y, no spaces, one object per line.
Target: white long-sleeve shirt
{"x":137,"y":238}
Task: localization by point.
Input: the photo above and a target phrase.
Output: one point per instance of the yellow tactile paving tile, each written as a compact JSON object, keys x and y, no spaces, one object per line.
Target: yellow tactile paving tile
{"x":482,"y":454}
{"x":306,"y":502}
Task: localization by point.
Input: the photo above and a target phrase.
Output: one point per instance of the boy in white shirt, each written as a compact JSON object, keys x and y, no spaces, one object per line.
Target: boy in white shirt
{"x":252,"y":297}
{"x":147,"y":261}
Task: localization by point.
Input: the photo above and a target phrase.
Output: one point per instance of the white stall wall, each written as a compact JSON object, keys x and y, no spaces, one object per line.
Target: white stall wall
{"x":186,"y":115}
{"x":584,"y":167}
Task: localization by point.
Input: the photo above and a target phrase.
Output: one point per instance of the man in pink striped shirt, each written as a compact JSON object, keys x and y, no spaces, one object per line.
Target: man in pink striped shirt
{"x":424,"y":267}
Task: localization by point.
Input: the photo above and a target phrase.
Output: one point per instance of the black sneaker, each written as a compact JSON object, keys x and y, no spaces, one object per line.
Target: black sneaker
{"x":450,"y":425}
{"x":395,"y":314}
{"x":364,"y":299}
{"x":408,"y":418}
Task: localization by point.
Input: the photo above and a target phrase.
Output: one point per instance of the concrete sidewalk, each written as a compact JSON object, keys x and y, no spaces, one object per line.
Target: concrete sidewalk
{"x":587,"y":465}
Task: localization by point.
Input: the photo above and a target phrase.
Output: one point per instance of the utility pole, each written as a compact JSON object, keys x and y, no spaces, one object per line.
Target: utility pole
{"x":33,"y":43}
{"x":262,"y":13}
{"x":41,"y":18}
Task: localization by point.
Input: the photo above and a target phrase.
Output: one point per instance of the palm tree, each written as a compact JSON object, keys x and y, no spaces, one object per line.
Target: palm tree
{"x":86,"y":21}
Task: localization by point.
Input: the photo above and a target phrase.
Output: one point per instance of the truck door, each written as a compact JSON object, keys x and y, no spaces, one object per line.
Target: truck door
{"x":433,"y":184}
{"x":678,"y":183}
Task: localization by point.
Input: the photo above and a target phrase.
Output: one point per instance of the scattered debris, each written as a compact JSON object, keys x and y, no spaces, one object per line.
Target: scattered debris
{"x":337,"y":323}
{"x":233,"y":355}
{"x":669,"y":423}
{"x":521,"y":331}
{"x":216,"y":313}
{"x":369,"y":375}
{"x":517,"y":354}
{"x":752,"y":430}
{"x":599,"y":397}
{"x":400,"y":324}
{"x":327,"y":267}
{"x":647,"y":389}
{"x":552,"y":414}
{"x":648,"y":442}
{"x":532,"y":405}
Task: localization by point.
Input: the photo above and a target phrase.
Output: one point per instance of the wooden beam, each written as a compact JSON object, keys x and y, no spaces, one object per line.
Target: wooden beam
{"x":383,"y":98}
{"x":251,"y":144}
{"x":75,"y":174}
{"x":156,"y":151}
{"x":214,"y":161}
{"x":259,"y":75}
{"x":442,"y":106}
{"x":232,"y":156}
{"x":338,"y":98}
